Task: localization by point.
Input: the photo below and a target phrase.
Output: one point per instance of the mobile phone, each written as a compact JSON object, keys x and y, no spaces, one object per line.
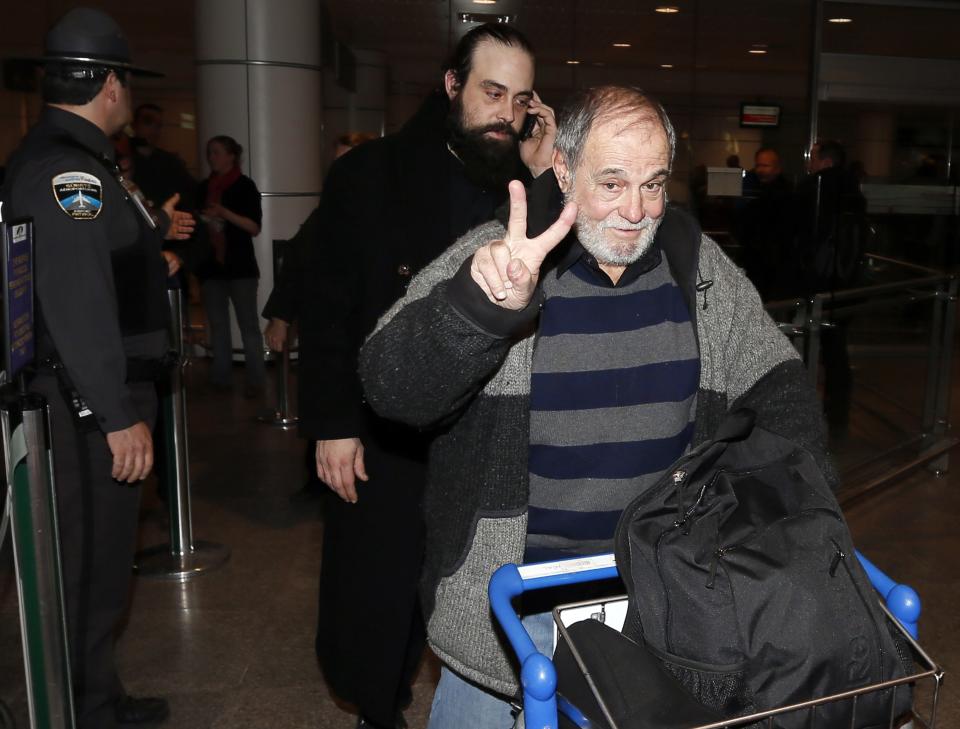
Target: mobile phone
{"x":529,"y":124}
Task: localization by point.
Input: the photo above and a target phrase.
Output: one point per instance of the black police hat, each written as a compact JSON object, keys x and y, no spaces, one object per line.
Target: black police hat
{"x":89,"y":36}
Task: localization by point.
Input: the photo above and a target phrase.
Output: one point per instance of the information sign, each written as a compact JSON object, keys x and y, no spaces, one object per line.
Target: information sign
{"x":759,"y":115}
{"x":18,"y":320}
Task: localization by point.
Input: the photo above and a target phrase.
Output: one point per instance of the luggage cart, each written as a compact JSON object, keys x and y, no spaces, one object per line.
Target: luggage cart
{"x":538,"y":677}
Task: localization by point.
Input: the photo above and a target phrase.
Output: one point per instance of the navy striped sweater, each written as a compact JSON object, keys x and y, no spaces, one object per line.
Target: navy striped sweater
{"x":612,"y":397}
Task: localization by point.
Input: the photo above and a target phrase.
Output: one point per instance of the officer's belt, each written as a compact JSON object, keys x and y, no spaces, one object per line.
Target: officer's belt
{"x":138,"y":368}
{"x":151,"y":370}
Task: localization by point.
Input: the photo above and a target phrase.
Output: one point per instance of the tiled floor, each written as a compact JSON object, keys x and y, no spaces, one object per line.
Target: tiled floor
{"x":234,"y":647}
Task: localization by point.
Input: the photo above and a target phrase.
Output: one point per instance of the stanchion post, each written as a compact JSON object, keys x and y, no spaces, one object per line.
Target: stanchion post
{"x":941,"y":423}
{"x":814,"y":325}
{"x":281,"y":416}
{"x":182,"y":558}
{"x":938,"y":307}
{"x":36,"y":548}
{"x":177,"y":455}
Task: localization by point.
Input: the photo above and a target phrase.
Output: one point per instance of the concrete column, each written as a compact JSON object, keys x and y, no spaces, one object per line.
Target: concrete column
{"x":359,"y":110}
{"x":875,"y":141}
{"x":259,"y":80}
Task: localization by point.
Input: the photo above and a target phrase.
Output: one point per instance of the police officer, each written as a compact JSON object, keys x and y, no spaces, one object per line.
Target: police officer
{"x":100,"y":281}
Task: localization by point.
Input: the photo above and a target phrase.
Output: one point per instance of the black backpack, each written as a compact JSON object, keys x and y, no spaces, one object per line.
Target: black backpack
{"x":742,"y":579}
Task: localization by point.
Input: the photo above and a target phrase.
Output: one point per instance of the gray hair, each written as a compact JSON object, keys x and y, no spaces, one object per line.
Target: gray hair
{"x":587,"y":107}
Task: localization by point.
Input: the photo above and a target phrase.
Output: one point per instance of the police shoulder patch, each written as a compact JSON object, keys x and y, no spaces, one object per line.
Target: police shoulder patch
{"x":79,"y":194}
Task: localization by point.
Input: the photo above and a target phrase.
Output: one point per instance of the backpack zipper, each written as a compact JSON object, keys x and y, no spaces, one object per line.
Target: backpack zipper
{"x":721,"y":551}
{"x":835,"y":562}
{"x":621,"y":542}
{"x":683,"y":523}
{"x":866,"y":609}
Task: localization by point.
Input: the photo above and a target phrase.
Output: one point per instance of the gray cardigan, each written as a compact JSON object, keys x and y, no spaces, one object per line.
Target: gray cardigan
{"x":445,"y":359}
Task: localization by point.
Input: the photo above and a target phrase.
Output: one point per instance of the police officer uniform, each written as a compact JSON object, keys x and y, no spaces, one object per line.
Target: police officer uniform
{"x":100,"y":283}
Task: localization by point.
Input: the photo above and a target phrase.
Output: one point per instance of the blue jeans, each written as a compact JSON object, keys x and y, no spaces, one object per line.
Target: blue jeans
{"x":217,"y":293}
{"x":458,"y":702}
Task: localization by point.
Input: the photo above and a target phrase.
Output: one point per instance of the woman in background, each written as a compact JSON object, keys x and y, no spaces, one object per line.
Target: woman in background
{"x":232,"y":215}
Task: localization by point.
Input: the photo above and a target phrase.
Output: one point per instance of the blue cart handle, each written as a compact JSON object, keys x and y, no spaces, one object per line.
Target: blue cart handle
{"x":538,"y":678}
{"x":901,"y":600}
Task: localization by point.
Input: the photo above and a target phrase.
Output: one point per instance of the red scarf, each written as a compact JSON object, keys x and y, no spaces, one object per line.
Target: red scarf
{"x":216,"y":186}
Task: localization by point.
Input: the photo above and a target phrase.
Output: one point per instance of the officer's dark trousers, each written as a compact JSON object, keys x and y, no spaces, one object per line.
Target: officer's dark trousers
{"x":98,"y":527}
{"x":370,"y":635}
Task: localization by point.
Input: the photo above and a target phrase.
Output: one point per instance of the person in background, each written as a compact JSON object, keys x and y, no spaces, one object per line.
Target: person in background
{"x":231,"y":216}
{"x":831,"y":238}
{"x":764,"y":225}
{"x":283,"y":305}
{"x":160,"y":174}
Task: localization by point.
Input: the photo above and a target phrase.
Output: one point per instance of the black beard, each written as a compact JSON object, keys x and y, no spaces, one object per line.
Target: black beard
{"x":488,"y":163}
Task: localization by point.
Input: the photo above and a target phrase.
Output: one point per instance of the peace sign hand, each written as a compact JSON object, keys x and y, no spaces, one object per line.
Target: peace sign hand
{"x":507,"y":270}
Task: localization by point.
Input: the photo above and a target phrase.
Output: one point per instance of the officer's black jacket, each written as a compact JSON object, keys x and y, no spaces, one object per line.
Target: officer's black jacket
{"x":93,"y":319}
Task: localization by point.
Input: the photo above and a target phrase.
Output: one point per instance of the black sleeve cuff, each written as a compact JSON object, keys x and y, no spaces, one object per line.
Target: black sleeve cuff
{"x":469,"y":301}
{"x":544,"y":203}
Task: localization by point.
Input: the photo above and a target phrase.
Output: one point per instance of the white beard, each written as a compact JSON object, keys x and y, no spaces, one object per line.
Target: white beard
{"x":591,"y":235}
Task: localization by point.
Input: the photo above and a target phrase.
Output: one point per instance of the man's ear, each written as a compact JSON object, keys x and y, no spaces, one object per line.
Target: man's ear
{"x":110,"y":85}
{"x":450,"y":84}
{"x":561,"y":171}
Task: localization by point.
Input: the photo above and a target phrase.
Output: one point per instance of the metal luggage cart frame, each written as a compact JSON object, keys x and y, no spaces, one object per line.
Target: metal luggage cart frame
{"x":538,"y":676}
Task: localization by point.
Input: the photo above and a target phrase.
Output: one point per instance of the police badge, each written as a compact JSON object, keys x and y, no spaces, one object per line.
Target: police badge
{"x":79,"y":194}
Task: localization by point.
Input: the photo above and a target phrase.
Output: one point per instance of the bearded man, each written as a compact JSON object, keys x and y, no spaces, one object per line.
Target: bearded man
{"x":563,"y":373}
{"x":388,"y":208}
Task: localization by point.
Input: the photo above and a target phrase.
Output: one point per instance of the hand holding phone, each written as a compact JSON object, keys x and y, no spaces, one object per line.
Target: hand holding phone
{"x":529,"y":124}
{"x":537,"y":135}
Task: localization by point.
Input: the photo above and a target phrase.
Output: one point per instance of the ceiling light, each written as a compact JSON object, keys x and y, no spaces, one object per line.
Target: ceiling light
{"x":621,"y":45}
{"x":486,"y":18}
{"x":757,"y":51}
{"x":839,"y":20}
{"x":666,"y":65}
{"x":573,"y":63}
{"x":668,"y":9}
{"x":485,"y":2}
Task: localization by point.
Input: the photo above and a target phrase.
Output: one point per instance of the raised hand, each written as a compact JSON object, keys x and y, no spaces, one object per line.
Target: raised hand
{"x":181,"y":223}
{"x":537,"y":150}
{"x":507,"y":270}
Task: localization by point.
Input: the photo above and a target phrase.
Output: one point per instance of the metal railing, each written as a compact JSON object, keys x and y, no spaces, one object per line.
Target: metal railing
{"x":923,"y":427}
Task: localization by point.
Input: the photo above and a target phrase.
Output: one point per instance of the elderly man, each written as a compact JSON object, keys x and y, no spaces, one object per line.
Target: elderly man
{"x":564,"y":373}
{"x":389,"y":207}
